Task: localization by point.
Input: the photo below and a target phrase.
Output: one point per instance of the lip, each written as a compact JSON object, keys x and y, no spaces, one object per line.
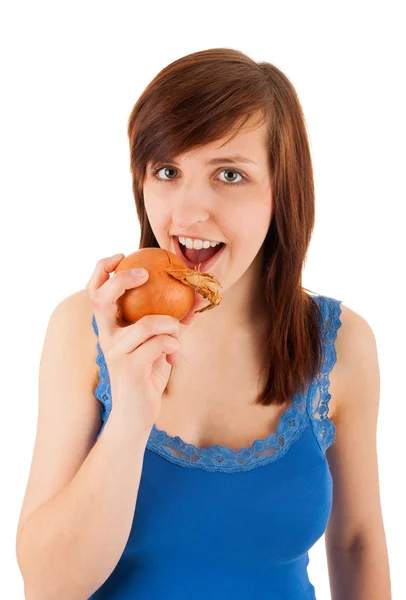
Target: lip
{"x":204,"y":266}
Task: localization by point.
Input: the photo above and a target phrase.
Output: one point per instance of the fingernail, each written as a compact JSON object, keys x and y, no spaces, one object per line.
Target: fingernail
{"x":116,"y":256}
{"x":139,"y":272}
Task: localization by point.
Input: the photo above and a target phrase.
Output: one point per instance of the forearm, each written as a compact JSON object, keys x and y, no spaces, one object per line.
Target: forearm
{"x":72,"y":543}
{"x":361,"y":574}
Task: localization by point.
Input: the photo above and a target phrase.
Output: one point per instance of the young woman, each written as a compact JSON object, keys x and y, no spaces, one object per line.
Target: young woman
{"x":203,"y":459}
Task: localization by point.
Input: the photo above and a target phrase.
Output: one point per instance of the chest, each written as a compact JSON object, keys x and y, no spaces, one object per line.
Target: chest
{"x":219,"y":407}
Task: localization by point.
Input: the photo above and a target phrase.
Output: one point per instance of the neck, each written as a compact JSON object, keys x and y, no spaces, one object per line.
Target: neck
{"x":242,"y":310}
{"x":231,"y":333}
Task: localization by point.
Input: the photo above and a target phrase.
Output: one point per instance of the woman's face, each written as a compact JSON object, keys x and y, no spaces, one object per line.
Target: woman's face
{"x":225,"y":201}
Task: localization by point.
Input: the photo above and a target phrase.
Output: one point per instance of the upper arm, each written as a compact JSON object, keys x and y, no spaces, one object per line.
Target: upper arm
{"x":68,"y":412}
{"x":356,"y":516}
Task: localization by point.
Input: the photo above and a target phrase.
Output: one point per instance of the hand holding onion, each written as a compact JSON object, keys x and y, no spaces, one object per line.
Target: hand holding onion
{"x":139,"y":333}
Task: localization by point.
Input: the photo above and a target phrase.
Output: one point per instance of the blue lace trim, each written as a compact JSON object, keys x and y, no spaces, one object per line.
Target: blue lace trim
{"x":263,"y":451}
{"x":323,"y":427}
{"x":102,"y":391}
{"x":221,"y":458}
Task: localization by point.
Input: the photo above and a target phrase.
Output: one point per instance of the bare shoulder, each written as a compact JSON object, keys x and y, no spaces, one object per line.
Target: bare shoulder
{"x":80,"y":300}
{"x":79,"y":307}
{"x":356,"y":355}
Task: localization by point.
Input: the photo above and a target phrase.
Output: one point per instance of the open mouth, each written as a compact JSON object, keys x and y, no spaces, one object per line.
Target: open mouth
{"x":202,"y":266}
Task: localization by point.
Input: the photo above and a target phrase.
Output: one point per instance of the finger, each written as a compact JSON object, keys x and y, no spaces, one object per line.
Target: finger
{"x":152,"y":349}
{"x":102,"y":272}
{"x":198,"y":303}
{"x":173,"y":359}
{"x":128,"y":339}
{"x":105,"y":298}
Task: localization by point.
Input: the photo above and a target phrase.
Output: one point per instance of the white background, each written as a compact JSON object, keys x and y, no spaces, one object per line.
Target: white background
{"x":71,"y":73}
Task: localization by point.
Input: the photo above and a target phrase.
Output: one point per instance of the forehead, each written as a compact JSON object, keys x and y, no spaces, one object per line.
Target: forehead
{"x":249,"y":142}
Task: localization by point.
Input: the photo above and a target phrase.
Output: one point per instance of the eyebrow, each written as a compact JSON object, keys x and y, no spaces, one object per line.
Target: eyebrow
{"x":236,"y":158}
{"x":231,"y":159}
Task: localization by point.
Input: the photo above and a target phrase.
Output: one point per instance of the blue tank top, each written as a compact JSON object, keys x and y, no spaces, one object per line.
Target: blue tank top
{"x":217,"y":523}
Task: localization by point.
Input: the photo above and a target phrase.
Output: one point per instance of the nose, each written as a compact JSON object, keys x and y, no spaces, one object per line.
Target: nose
{"x":186,"y":216}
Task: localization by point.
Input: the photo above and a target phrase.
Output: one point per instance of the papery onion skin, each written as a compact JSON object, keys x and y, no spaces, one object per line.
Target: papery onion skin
{"x":161,"y":294}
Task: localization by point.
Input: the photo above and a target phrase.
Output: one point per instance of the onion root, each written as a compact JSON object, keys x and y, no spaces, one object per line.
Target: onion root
{"x":203,"y":283}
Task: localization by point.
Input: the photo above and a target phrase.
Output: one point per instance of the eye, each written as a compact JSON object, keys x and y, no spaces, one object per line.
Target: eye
{"x":154,"y":173}
{"x":228,"y":171}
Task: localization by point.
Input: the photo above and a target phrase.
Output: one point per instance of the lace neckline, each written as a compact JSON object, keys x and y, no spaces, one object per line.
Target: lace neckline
{"x":261,"y":452}
{"x":222,"y":458}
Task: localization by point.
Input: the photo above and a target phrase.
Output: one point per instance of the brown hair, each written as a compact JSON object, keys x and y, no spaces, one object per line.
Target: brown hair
{"x":201,"y":98}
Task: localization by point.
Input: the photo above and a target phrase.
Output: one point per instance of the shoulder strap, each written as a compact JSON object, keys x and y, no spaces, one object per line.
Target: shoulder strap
{"x":95,"y":327}
{"x":330,"y":322}
{"x":102,"y":391}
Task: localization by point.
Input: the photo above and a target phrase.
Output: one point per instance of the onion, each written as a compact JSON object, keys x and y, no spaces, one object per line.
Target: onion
{"x":170,"y":288}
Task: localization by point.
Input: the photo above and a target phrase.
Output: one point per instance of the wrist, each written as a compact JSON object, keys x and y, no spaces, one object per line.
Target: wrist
{"x":128,"y":427}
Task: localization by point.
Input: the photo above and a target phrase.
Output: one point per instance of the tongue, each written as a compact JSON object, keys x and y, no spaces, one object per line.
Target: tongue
{"x":200,"y":256}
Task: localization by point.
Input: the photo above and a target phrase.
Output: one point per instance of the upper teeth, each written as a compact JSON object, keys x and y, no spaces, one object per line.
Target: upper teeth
{"x":197,"y":244}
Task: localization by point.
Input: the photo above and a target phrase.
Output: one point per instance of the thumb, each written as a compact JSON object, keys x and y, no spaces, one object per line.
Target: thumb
{"x":198,"y":303}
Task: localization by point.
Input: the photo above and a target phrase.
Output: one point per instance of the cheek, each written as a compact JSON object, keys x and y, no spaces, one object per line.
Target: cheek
{"x":155,"y":213}
{"x":251,"y":232}
{"x":250,"y":226}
